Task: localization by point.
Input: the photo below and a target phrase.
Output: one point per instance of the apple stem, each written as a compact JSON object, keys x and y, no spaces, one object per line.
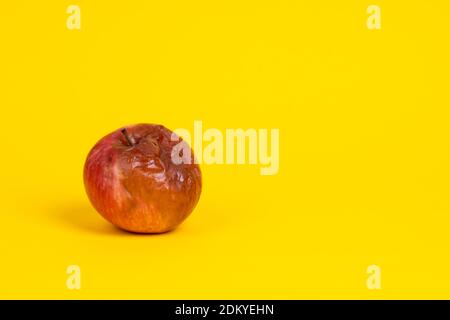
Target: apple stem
{"x":129,"y":139}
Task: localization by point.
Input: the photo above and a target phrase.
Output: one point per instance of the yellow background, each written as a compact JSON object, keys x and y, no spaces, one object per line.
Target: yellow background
{"x":364,"y":146}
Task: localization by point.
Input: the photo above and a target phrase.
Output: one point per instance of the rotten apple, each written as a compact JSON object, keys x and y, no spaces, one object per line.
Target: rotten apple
{"x":133,"y":183}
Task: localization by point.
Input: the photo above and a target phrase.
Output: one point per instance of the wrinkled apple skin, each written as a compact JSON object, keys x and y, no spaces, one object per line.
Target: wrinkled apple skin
{"x":137,"y":187}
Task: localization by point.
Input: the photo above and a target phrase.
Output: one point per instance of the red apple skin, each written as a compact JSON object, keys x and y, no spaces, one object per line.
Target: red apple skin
{"x":137,"y":187}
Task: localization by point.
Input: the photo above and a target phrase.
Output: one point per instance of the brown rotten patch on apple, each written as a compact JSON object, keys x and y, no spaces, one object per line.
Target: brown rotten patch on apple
{"x":133,"y":183}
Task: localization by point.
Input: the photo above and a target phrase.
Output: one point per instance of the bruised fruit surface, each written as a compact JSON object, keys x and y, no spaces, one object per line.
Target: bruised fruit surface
{"x":132,"y":182}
